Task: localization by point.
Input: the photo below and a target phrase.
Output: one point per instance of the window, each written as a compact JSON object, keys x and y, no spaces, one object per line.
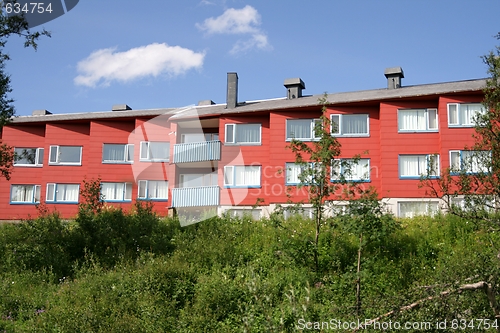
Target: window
{"x":292,"y":173}
{"x":198,"y":180}
{"x":65,"y":155}
{"x":116,"y":191}
{"x":155,"y":151}
{"x":350,"y":124}
{"x":243,"y":134}
{"x":414,"y":208}
{"x":117,"y":153}
{"x":199,"y":137}
{"x":28,"y":156}
{"x":417,"y":120}
{"x":415,"y":166}
{"x":349,"y":170}
{"x":62,"y":193}
{"x":25,"y":194}
{"x":242,"y":176}
{"x":153,"y":189}
{"x":469,"y":161}
{"x":463,"y":115}
{"x":242,"y":212}
{"x":291,"y":211}
{"x":301,"y":129}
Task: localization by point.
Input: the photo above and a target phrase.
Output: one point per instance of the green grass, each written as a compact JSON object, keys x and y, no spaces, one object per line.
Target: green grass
{"x":119,"y":272}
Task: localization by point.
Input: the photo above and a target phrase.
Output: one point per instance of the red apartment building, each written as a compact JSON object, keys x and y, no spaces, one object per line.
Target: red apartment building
{"x":229,"y":156}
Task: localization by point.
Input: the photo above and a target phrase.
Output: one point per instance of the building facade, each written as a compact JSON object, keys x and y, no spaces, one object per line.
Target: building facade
{"x":234,"y":156}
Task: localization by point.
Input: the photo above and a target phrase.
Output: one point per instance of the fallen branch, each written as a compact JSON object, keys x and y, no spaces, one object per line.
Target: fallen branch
{"x":488,"y":289}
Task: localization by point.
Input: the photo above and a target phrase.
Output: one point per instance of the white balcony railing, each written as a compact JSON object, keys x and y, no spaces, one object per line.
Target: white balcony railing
{"x":197,"y":152}
{"x":196,"y":196}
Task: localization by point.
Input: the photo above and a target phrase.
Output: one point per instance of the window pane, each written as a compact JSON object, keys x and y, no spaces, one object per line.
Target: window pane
{"x":40,"y":155}
{"x":50,"y":192}
{"x":410,"y":165}
{"x":69,"y":154}
{"x":144,"y":150}
{"x":128,"y":191}
{"x":298,"y":129}
{"x":354,"y":124}
{"x":248,"y":133}
{"x":54,"y":154}
{"x":292,"y":173}
{"x":159,"y":150}
{"x":432,"y":115}
{"x":113,"y":153}
{"x":142,"y":189}
{"x":230,"y":133}
{"x":130,"y":153}
{"x":157,"y":189}
{"x":247,"y":175}
{"x":412,"y":120}
{"x":67,"y":192}
{"x":22,"y":193}
{"x":37,"y":193}
{"x":453,"y":114}
{"x":228,"y":175}
{"x":25,"y":156}
{"x":335,"y":123}
{"x":455,"y":160}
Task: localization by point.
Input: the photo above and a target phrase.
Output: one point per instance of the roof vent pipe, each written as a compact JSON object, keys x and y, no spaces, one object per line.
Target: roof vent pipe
{"x":294,"y":88}
{"x":232,"y":91}
{"x":394,"y":76}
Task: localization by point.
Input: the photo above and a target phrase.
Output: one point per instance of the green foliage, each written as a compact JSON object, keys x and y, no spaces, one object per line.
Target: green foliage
{"x":232,"y":274}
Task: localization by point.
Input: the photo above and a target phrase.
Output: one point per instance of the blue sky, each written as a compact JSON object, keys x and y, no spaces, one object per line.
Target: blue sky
{"x":159,"y":53}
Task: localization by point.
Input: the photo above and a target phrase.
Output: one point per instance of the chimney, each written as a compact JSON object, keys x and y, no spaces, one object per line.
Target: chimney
{"x":394,"y":76}
{"x":206,"y":102}
{"x":232,"y":90}
{"x":294,"y":88}
{"x":121,"y":107}
{"x":40,"y":112}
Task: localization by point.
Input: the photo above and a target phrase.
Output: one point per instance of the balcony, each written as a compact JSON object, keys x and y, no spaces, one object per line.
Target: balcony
{"x":197,"y":152}
{"x":196,"y":196}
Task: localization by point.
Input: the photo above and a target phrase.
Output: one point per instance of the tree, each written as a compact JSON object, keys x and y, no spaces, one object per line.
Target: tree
{"x":14,"y":25}
{"x":319,"y":162}
{"x":471,"y":188}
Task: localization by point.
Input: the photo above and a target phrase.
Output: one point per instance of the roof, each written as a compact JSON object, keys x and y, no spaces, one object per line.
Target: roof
{"x":272,"y":104}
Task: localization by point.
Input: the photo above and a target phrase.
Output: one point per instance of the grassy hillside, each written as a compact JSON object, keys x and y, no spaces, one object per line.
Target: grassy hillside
{"x":134,"y":272}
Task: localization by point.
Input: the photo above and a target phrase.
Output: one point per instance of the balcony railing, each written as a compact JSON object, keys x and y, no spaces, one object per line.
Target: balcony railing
{"x":197,"y":152}
{"x":196,"y":196}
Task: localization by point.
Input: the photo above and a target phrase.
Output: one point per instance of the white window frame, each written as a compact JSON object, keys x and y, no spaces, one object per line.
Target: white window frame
{"x":461,"y":167}
{"x":232,"y":141}
{"x":230,"y":176}
{"x":339,"y":166}
{"x":126,"y":193}
{"x":58,"y":155}
{"x":39,"y":153}
{"x":428,"y":158}
{"x":431,"y":208}
{"x":146,"y":190}
{"x":125,"y":160}
{"x":340,"y":132}
{"x":312,"y":133}
{"x":57,"y":187}
{"x":35,"y":197}
{"x":146,"y":157}
{"x":427,"y":113}
{"x":461,"y":119}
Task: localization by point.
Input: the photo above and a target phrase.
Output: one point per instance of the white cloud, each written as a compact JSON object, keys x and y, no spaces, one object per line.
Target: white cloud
{"x":106,"y":65}
{"x":238,"y":21}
